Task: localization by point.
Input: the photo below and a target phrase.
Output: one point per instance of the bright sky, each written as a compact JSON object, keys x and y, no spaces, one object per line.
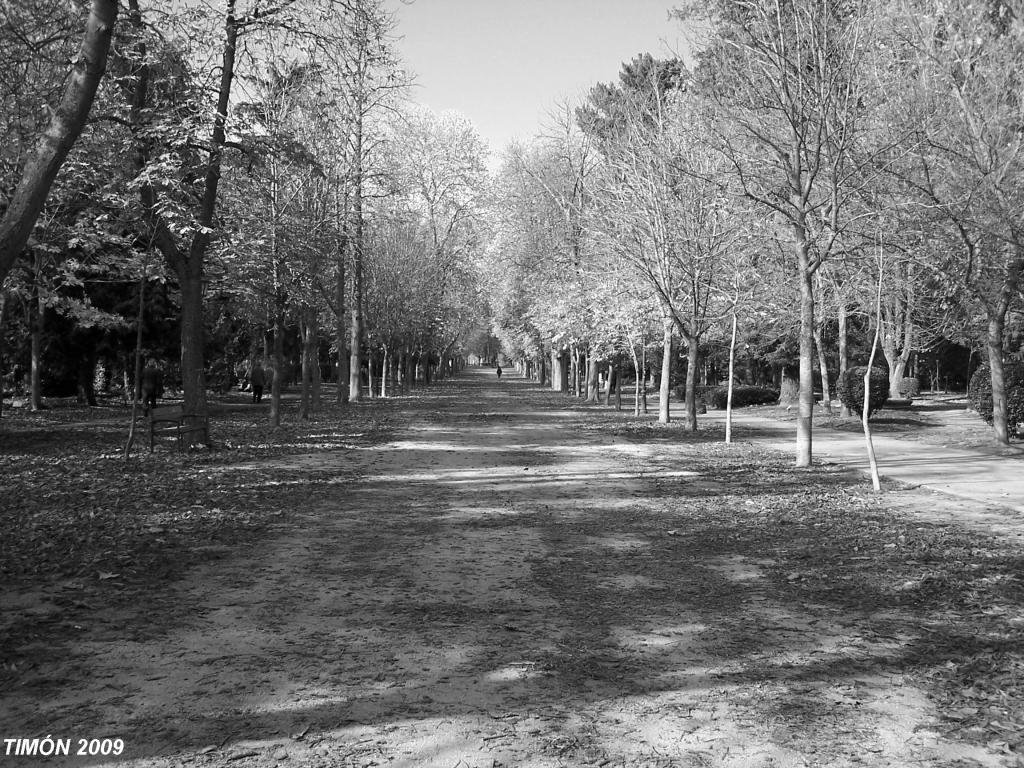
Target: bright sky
{"x":506,"y":63}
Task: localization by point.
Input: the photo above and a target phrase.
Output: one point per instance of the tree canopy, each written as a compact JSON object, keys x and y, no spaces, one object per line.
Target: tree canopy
{"x":264,"y":172}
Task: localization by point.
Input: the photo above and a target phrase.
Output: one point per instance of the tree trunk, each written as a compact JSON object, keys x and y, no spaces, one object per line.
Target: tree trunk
{"x":637,"y":377}
{"x":356,"y":338}
{"x":355,"y":359}
{"x":559,"y":372}
{"x":865,"y":423}
{"x":732,"y":374}
{"x":642,"y":383}
{"x":278,"y":379}
{"x":126,"y":380}
{"x":593,"y":378}
{"x":193,"y":368}
{"x":190,"y":269}
{"x":309,"y":361}
{"x":139,"y":317}
{"x":898,"y":327}
{"x":65,"y":126}
{"x":305,"y":373}
{"x":994,"y":345}
{"x":385,"y":371}
{"x":188,"y":265}
{"x":574,"y":370}
{"x":996,"y":326}
{"x":692,"y":361}
{"x":193,"y":342}
{"x":317,"y":376}
{"x":818,"y":332}
{"x":371,"y":372}
{"x":340,"y":330}
{"x":897,"y":363}
{"x":664,"y":415}
{"x":38,"y":320}
{"x":3,"y":309}
{"x":844,"y":358}
{"x":789,"y":389}
{"x":826,"y":389}
{"x":805,"y":413}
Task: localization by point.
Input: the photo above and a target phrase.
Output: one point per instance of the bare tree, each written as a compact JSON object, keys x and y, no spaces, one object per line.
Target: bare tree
{"x":665,"y":212}
{"x":784,"y":80}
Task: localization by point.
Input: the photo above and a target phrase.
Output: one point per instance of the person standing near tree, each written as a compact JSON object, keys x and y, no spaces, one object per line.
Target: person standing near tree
{"x":256,"y":380}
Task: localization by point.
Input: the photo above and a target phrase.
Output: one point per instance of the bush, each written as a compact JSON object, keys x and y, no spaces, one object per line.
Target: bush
{"x":741,"y":396}
{"x":909,"y":387}
{"x":851,"y":389}
{"x":703,"y":392}
{"x":979,"y":391}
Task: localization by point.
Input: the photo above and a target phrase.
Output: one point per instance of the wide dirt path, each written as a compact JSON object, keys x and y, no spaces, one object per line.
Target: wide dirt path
{"x":993,"y":476}
{"x":509,"y":582}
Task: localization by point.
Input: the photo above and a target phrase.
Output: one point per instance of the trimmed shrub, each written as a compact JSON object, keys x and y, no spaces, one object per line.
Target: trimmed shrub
{"x":979,"y":392}
{"x":741,"y":396}
{"x":703,"y":392}
{"x":909,"y":387}
{"x":851,"y":389}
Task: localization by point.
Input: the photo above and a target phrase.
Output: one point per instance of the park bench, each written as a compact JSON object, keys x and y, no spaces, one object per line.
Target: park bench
{"x":172,"y":421}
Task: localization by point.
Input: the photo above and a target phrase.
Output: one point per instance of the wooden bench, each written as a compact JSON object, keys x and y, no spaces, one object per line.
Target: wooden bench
{"x":172,"y":421}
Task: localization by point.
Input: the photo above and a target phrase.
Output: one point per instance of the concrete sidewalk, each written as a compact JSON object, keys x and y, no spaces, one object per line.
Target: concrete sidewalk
{"x":970,"y":474}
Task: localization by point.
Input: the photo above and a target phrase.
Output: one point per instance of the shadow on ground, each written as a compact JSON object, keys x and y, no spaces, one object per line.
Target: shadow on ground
{"x":507,"y":575}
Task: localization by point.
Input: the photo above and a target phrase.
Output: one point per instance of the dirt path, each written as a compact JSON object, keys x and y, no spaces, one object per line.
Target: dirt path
{"x":507,"y":584}
{"x":988,"y":474}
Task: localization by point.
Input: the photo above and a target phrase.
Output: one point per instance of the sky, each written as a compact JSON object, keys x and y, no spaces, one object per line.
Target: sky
{"x":505,"y":64}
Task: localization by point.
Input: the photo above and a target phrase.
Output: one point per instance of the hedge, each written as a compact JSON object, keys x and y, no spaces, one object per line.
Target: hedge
{"x":741,"y":396}
{"x":851,"y":389}
{"x":979,"y":392}
{"x":714,"y":396}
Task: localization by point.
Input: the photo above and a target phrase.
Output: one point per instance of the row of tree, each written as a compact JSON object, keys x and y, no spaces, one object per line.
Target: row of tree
{"x":256,"y":178}
{"x":816,"y":150}
{"x":252,"y":175}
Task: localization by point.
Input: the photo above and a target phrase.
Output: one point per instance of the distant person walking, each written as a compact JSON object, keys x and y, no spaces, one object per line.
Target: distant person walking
{"x":256,"y":381}
{"x":499,"y":371}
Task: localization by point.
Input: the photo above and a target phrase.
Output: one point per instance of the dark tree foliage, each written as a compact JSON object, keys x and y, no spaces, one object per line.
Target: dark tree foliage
{"x":851,"y":389}
{"x":67,"y":118}
{"x":980,"y":394}
{"x":643,"y":85}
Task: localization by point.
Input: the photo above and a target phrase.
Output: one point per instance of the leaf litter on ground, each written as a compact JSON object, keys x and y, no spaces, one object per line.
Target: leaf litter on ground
{"x":78,"y":518}
{"x":932,"y":602}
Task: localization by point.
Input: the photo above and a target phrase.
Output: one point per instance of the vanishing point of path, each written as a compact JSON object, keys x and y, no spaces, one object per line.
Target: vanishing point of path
{"x":510,"y":581}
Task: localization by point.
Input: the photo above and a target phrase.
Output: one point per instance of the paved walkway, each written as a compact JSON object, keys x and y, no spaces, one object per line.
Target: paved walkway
{"x":970,"y":474}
